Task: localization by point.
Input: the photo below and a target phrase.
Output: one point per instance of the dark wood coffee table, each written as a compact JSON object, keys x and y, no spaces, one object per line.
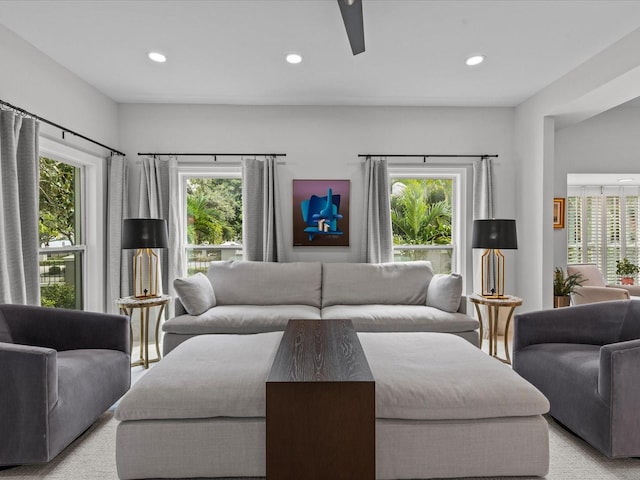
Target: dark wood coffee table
{"x":320,"y":405}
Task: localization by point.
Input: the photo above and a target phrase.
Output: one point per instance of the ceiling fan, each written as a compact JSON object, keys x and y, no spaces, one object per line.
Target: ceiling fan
{"x":351,"y":11}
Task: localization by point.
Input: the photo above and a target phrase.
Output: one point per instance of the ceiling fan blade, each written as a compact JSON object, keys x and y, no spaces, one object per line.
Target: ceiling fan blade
{"x":351,"y":11}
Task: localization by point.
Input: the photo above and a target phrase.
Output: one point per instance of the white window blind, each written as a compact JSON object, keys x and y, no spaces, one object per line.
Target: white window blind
{"x":602,"y":226}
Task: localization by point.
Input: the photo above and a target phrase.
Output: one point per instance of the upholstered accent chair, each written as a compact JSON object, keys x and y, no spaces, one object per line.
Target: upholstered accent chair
{"x":586,"y":361}
{"x":59,"y":371}
{"x":595,"y":289}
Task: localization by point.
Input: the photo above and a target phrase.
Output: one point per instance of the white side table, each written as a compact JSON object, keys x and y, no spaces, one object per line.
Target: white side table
{"x":127,"y":305}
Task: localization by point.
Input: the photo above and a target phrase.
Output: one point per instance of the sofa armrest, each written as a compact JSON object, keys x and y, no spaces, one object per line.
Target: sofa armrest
{"x":589,"y":294}
{"x":63,"y":329}
{"x":616,"y":356}
{"x":463,"y":305}
{"x":178,"y":307}
{"x":28,"y":392}
{"x":595,"y":324}
{"x":619,"y":388}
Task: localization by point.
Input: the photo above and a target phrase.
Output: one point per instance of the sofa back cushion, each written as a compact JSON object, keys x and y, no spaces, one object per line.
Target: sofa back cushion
{"x":266,"y":283}
{"x":401,"y":283}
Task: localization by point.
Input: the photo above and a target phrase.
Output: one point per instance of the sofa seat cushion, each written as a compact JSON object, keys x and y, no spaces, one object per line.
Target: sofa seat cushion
{"x":240,"y":319}
{"x":419,"y":376}
{"x":205,"y":377}
{"x":435,"y":376}
{"x":401,"y":318}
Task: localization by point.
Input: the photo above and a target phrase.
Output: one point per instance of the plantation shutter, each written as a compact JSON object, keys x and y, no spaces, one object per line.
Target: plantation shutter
{"x":574,"y":227}
{"x":612,"y":240}
{"x":593,"y":227}
{"x":602,"y":225}
{"x":631,"y":229}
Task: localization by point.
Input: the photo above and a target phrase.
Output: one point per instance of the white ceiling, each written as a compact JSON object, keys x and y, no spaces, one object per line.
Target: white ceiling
{"x":232,"y":51}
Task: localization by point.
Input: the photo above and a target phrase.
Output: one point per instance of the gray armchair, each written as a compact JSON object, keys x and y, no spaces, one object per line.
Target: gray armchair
{"x":59,"y":371}
{"x":586,"y":361}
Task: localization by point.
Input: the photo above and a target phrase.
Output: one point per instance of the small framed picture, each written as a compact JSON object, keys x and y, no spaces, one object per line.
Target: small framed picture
{"x":558,"y":213}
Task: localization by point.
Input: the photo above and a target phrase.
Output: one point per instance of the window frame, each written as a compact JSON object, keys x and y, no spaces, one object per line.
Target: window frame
{"x":92,"y":217}
{"x":186,"y":172}
{"x":459,"y":207}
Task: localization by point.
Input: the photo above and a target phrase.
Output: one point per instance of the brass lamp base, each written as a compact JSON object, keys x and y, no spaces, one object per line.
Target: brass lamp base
{"x":493,"y":262}
{"x":145,"y":273}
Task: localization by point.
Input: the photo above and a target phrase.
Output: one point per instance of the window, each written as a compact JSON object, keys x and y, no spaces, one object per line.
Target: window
{"x":75,"y":190}
{"x":213,"y":220}
{"x":602,"y":226}
{"x":426,"y":211}
{"x":60,"y":231}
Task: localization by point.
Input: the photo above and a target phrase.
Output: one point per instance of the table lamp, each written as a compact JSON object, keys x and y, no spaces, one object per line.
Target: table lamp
{"x":493,"y":235}
{"x":145,"y":234}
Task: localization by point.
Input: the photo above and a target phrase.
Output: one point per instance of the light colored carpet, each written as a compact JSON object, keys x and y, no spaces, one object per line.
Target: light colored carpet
{"x":92,"y":456}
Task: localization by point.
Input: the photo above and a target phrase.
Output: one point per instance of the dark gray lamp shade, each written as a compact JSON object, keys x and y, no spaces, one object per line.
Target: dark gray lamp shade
{"x":144,"y":233}
{"x":494,"y":234}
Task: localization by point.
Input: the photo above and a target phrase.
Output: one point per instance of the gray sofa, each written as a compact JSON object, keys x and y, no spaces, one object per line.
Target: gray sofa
{"x":254,"y":297}
{"x":586,"y":361}
{"x":59,"y":371}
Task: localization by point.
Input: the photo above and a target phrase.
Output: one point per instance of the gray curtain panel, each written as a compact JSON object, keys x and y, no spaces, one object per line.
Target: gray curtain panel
{"x":159,"y":198}
{"x":483,"y":189}
{"x":261,"y":212}
{"x":19,"y":238}
{"x":118,"y":262}
{"x":482,"y":208}
{"x":377,"y":233}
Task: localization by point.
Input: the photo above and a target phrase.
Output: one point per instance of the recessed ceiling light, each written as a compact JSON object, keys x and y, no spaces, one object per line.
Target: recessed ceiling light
{"x":294,"y":58}
{"x":475,"y":60}
{"x":157,"y":57}
{"x":625,"y":180}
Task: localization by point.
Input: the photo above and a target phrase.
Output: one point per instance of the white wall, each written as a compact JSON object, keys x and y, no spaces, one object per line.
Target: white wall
{"x":606,"y":143}
{"x":34,"y":82}
{"x":609,"y":79}
{"x":323,"y":143}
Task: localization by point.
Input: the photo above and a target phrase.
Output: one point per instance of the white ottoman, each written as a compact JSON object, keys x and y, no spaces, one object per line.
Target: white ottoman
{"x":443,"y":408}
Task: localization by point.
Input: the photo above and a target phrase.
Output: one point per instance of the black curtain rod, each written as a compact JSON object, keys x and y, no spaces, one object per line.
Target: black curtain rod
{"x":64,"y":129}
{"x":214,"y":155}
{"x":424,"y":157}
